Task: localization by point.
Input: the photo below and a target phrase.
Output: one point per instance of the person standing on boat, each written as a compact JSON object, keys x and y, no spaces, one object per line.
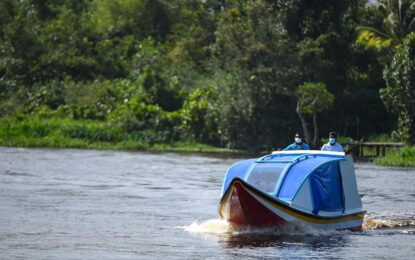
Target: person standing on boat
{"x":332,"y":145}
{"x":298,"y":144}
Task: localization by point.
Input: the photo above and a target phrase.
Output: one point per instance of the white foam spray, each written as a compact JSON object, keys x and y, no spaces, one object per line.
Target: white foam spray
{"x":389,"y":219}
{"x":221,"y":226}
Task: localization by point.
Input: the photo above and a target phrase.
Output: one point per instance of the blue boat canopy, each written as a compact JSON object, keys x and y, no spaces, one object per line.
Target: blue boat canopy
{"x":284,"y":174}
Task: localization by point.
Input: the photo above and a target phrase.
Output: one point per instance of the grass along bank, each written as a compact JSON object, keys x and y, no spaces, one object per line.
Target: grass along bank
{"x":89,"y":134}
{"x":403,"y":157}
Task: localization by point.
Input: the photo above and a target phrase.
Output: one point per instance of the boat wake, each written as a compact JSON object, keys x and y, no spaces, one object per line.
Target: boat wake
{"x":373,"y":221}
{"x":221,"y":226}
{"x":388,"y":220}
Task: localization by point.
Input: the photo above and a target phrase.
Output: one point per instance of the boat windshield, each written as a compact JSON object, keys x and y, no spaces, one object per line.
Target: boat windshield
{"x":264,"y":176}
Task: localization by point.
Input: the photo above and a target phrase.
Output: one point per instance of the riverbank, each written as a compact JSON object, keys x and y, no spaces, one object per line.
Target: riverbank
{"x":88,"y":134}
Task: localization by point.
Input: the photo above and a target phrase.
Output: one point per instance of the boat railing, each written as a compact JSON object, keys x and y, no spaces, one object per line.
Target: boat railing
{"x":269,"y":158}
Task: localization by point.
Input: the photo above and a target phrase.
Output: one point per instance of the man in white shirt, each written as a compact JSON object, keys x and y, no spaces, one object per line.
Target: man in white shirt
{"x":332,"y":145}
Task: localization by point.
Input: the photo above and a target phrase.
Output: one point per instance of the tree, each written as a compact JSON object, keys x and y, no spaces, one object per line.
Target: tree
{"x":396,"y":36}
{"x":398,"y":21}
{"x":254,"y":71}
{"x":141,"y":18}
{"x":313,"y":98}
{"x":399,"y":94}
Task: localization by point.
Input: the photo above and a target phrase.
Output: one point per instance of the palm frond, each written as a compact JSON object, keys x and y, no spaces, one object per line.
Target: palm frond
{"x":383,"y":10}
{"x":374,"y":30}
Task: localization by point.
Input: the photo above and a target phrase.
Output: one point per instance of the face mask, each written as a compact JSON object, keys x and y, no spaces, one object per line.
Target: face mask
{"x":297,"y":140}
{"x":332,"y":140}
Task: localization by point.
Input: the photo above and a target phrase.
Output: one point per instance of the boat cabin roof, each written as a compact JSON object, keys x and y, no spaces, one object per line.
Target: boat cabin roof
{"x":282,"y":172}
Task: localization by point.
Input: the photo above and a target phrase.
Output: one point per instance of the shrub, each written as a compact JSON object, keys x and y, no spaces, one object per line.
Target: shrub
{"x":200,"y":117}
{"x":91,"y":133}
{"x":147,"y":121}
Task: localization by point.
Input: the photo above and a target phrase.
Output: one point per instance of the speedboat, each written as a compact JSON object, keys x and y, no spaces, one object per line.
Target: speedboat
{"x":316,"y":188}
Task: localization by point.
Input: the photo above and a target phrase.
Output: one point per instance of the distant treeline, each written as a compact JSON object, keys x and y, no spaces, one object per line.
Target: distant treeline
{"x":243,"y":74}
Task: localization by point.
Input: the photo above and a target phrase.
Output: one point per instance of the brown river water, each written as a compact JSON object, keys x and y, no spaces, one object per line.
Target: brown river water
{"x":86,"y":204}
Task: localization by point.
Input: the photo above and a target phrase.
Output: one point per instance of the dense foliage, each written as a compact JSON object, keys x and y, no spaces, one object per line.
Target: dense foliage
{"x":399,"y":93}
{"x":228,"y":73}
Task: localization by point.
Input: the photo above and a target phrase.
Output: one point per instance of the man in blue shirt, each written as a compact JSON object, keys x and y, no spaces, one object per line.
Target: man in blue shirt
{"x":298,"y":144}
{"x":332,"y":145}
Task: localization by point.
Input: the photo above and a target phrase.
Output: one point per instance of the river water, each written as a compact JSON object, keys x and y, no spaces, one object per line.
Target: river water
{"x":84,"y":204}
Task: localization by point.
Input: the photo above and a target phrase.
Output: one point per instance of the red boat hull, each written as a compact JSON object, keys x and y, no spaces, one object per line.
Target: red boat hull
{"x":245,"y":209}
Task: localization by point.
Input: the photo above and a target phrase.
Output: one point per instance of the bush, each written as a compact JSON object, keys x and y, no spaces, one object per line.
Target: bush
{"x":158,"y":90}
{"x":200,"y":117}
{"x":92,"y":133}
{"x":385,"y":138}
{"x":401,"y":157}
{"x":95,"y":100}
{"x":27,"y":126}
{"x":48,"y":94}
{"x":147,"y":121}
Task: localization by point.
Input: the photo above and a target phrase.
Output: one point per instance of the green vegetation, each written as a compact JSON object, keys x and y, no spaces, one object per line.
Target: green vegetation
{"x":400,"y":157}
{"x":397,"y":23}
{"x":204,"y":75}
{"x":66,"y":133}
{"x":399,"y":94}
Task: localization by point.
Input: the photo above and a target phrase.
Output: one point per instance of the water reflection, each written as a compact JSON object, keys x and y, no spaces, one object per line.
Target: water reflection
{"x":315,"y":243}
{"x":284,"y":236}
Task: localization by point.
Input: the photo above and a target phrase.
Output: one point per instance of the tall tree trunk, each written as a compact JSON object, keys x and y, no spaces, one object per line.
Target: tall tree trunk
{"x":316,"y":136}
{"x":303,"y":123}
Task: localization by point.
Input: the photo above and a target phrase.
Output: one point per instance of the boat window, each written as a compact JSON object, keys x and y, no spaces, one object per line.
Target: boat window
{"x":264,"y":176}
